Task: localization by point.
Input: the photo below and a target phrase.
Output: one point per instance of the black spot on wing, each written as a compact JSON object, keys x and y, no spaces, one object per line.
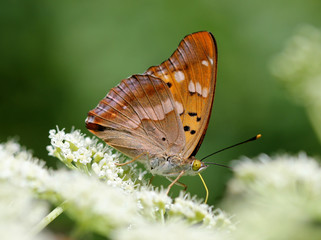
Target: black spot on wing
{"x":95,"y":127}
{"x":192,"y":114}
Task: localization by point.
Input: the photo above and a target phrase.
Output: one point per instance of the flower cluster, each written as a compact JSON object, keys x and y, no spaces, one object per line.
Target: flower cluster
{"x":100,"y":196}
{"x":97,"y":206}
{"x":285,"y":172}
{"x":276,"y":198}
{"x":21,"y":176}
{"x":170,"y":231}
{"x":87,"y":155}
{"x":152,"y":204}
{"x":262,"y":194}
{"x":19,"y":167}
{"x":298,"y":67}
{"x":194,"y":211}
{"x":19,"y":213}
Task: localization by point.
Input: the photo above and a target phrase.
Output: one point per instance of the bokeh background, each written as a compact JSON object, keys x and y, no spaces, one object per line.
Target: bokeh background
{"x":59,"y":58}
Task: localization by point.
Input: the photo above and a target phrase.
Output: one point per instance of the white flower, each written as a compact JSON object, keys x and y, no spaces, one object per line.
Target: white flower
{"x":95,"y":205}
{"x":168,"y":231}
{"x":101,"y":197}
{"x":298,"y":66}
{"x":153,"y":203}
{"x":277,"y":198}
{"x":19,"y":212}
{"x":20,"y":168}
{"x":284,"y":172}
{"x":193,"y":211}
{"x":87,"y":155}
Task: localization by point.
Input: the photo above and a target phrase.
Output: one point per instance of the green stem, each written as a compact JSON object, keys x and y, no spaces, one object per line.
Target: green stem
{"x":315,"y":118}
{"x":48,"y":219}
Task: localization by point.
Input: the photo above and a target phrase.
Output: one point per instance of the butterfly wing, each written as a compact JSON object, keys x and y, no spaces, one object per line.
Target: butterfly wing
{"x":190,"y":74}
{"x":138,"y":117}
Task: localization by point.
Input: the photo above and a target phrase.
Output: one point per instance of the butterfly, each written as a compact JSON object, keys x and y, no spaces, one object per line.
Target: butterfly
{"x":160,"y":117}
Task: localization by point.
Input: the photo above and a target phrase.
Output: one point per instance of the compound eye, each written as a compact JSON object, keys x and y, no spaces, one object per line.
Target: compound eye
{"x":196,"y":165}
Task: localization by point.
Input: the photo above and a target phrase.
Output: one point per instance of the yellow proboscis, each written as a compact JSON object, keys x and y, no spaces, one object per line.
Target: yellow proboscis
{"x":205,"y":187}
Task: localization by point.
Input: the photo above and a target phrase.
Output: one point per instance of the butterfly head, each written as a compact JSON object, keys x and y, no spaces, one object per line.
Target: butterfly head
{"x":196,"y":166}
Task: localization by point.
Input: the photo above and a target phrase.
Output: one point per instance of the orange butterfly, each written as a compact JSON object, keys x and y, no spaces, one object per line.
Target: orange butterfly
{"x":160,"y":117}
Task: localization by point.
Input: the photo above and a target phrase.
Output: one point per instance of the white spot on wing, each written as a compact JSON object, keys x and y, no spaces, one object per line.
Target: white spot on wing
{"x":179,"y":107}
{"x":168,"y":107}
{"x":211,"y":60}
{"x":179,"y":76}
{"x":205,"y":63}
{"x":191,"y":87}
{"x":198,"y":88}
{"x":205,"y":92}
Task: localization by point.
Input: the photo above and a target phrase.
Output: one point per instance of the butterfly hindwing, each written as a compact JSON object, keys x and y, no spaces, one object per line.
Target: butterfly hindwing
{"x":190,"y":74}
{"x":138,"y":116}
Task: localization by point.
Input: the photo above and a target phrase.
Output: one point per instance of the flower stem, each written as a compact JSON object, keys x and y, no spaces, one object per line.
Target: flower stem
{"x":315,"y":117}
{"x":48,"y":219}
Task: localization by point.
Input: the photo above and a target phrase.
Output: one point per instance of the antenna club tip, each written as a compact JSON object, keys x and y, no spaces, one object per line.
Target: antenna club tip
{"x":258,"y":136}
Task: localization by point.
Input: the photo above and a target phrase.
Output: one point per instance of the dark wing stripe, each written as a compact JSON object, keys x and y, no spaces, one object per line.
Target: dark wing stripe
{"x":169,"y":96}
{"x":157,"y":124}
{"x":179,"y":127}
{"x":115,"y":109}
{"x":130,"y":105}
{"x":141,"y":105}
{"x":122,"y":128}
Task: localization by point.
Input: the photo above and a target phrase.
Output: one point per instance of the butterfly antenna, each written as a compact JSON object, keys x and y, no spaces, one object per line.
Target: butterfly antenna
{"x":246,"y":141}
{"x":217,"y":164}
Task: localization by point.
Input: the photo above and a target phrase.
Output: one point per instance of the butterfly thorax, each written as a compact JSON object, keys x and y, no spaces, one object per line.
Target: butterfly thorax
{"x":174,"y":165}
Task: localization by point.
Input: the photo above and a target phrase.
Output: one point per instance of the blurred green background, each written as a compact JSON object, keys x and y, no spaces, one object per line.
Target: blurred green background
{"x":59,"y":58}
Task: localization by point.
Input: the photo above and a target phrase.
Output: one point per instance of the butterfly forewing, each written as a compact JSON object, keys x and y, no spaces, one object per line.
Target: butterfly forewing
{"x":139,"y":117}
{"x":190,"y":74}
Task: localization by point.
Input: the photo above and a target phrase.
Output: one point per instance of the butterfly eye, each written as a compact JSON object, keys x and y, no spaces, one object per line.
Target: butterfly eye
{"x":196,"y":165}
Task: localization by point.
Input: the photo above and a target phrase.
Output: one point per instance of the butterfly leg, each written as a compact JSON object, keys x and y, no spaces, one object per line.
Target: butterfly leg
{"x":174,"y":182}
{"x":178,"y":183}
{"x":131,"y":161}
